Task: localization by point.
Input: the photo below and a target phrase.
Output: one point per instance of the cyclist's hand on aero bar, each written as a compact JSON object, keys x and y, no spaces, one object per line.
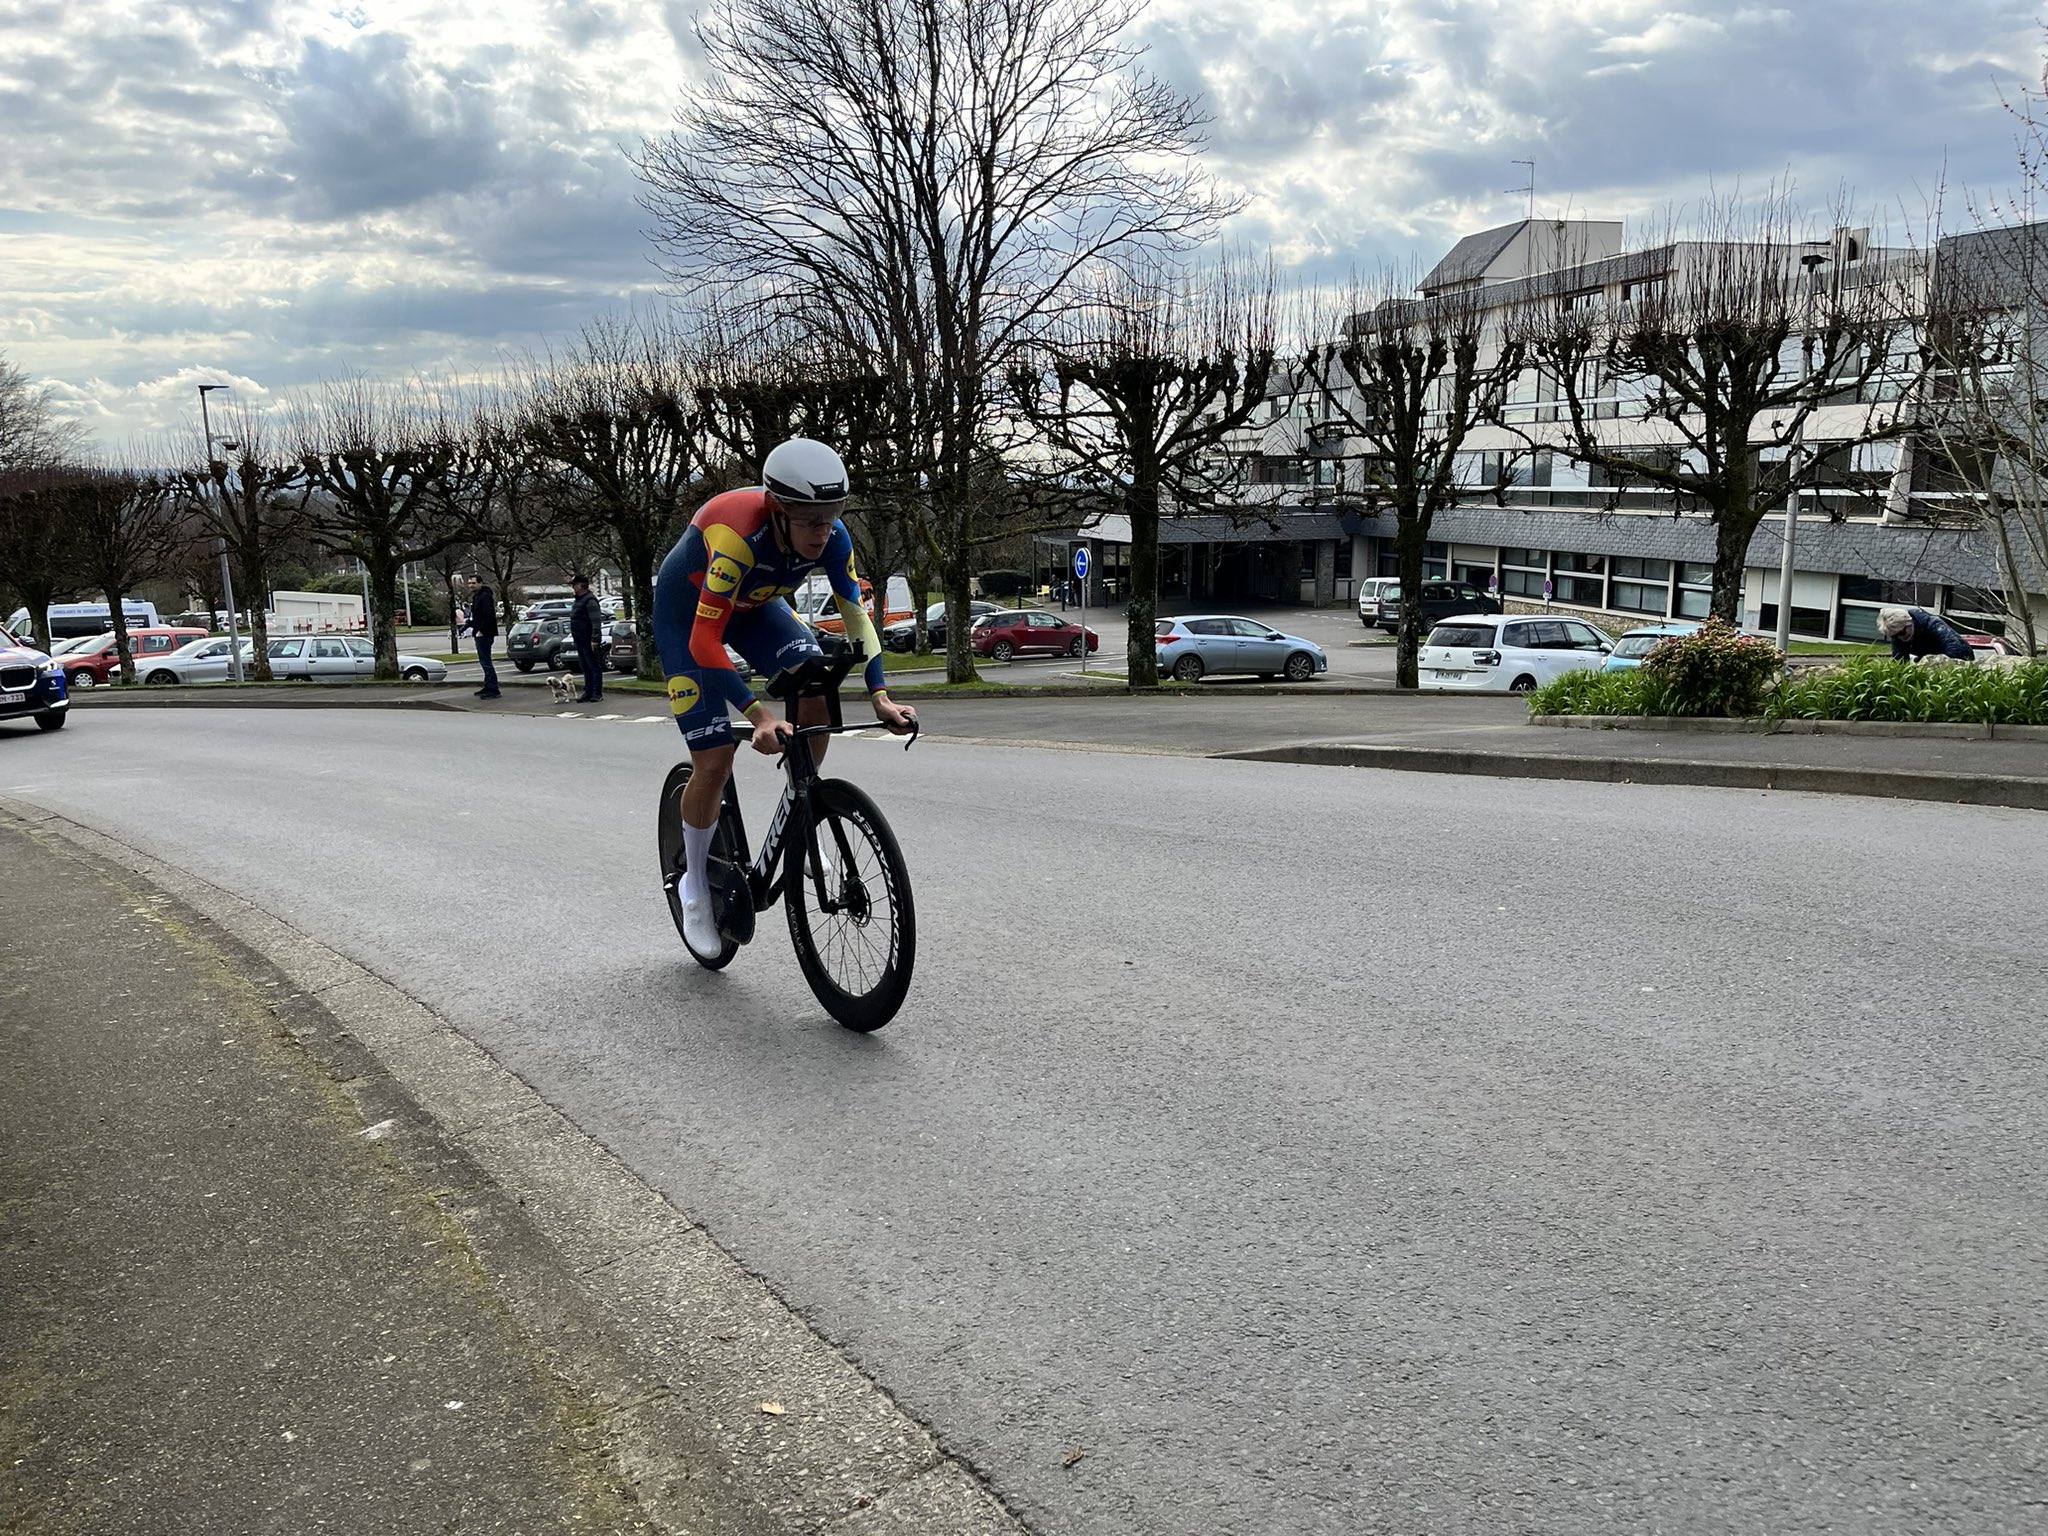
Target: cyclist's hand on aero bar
{"x":899,"y":718}
{"x":771,"y":733}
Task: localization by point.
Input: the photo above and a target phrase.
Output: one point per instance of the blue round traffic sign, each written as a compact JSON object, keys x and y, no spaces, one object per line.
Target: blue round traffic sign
{"x":1081,"y":562}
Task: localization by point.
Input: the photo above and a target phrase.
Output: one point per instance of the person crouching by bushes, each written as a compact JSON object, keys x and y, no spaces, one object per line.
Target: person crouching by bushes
{"x":1916,"y":633}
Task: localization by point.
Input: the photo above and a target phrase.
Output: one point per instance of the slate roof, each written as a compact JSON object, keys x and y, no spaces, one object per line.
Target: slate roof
{"x":1219,"y":530}
{"x":1470,"y":256}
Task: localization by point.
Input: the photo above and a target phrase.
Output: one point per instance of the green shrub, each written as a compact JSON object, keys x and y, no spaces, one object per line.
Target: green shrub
{"x":1715,"y":670}
{"x":1872,"y":689}
{"x":1597,"y":693}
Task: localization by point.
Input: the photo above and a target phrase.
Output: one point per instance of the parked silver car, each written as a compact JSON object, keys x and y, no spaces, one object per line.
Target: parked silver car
{"x":1192,"y":647}
{"x":201,"y":661}
{"x":332,"y":656}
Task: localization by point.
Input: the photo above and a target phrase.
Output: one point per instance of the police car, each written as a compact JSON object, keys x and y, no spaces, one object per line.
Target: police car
{"x":30,"y":685}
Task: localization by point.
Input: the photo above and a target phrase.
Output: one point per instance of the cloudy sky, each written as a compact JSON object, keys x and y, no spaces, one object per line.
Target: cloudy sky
{"x":265,"y":192}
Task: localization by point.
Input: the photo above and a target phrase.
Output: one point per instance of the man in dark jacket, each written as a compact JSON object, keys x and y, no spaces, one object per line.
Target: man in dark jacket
{"x":586,"y":629}
{"x":483,"y":623}
{"x":1914,"y":632}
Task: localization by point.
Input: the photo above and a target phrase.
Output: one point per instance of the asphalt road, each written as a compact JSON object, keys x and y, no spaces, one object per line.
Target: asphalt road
{"x":1318,"y":1150}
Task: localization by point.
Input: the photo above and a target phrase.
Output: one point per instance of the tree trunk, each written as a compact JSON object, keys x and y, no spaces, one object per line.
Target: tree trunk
{"x":920,"y":587}
{"x":1732,"y":532}
{"x":639,"y":560}
{"x":1411,"y":534}
{"x":255,"y":588}
{"x":36,"y":596}
{"x":384,"y":615}
{"x":116,"y":609}
{"x":959,"y":655}
{"x":1141,"y":640}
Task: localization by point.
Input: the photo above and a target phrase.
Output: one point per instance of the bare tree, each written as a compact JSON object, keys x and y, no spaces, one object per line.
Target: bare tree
{"x":375,"y":456}
{"x":618,"y":414}
{"x":1982,"y":449}
{"x":1396,"y":395}
{"x":920,"y":181}
{"x":1714,"y":365}
{"x":1138,"y":391}
{"x":502,"y":491}
{"x":38,"y":544}
{"x":255,"y":500}
{"x":32,"y":435}
{"x":127,"y":529}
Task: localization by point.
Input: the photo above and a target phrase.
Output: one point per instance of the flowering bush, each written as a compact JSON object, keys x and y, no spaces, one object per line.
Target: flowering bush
{"x":1715,"y":670}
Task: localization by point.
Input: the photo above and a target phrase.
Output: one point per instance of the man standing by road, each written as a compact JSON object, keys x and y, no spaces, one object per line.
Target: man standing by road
{"x":586,"y":629}
{"x":483,"y":623}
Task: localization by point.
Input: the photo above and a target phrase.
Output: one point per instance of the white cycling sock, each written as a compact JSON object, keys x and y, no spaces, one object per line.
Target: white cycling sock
{"x":697,"y":862}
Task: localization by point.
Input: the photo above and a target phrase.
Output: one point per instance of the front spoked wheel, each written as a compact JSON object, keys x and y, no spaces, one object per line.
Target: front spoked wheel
{"x":669,"y":825}
{"x":850,"y":913}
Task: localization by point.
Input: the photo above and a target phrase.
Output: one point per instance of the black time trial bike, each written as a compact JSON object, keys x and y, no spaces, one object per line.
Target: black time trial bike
{"x":830,"y":857}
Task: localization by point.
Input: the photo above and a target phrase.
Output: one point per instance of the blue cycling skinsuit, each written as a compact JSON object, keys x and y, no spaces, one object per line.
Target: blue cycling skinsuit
{"x":724,"y":584}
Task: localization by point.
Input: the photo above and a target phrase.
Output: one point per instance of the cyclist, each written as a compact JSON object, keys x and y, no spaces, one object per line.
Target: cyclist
{"x":725,"y":583}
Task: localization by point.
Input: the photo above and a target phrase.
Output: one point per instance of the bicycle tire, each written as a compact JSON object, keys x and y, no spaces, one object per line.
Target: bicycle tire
{"x":875,"y":881}
{"x":669,"y":835}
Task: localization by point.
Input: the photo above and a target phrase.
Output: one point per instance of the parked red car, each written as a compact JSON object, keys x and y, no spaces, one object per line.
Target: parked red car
{"x":1020,"y":631}
{"x":99,"y":662}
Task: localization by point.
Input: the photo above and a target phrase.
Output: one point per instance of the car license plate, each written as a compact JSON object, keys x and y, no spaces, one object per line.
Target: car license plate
{"x":13,"y":698}
{"x":1445,"y":674}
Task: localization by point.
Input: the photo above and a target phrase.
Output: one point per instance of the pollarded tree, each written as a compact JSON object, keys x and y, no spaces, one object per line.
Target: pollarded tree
{"x":1137,"y":391}
{"x":920,"y":182}
{"x":38,"y":553}
{"x":1396,"y":394}
{"x":617,"y":414}
{"x":502,"y":491}
{"x":375,"y":457}
{"x":1724,"y":360}
{"x":253,"y":497}
{"x":127,"y":528}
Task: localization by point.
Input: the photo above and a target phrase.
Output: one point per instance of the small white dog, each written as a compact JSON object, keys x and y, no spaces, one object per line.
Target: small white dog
{"x":558,"y":687}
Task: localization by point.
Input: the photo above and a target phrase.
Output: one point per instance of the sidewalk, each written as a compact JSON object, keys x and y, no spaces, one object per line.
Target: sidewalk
{"x":281,"y":1251}
{"x":227,"y":1309}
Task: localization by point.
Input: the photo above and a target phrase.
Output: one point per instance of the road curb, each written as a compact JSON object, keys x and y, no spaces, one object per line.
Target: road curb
{"x":1936,"y":730}
{"x":1892,"y":784}
{"x":675,"y":1342}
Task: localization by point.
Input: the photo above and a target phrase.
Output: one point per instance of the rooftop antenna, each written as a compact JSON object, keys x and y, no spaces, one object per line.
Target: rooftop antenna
{"x":1529,"y":189}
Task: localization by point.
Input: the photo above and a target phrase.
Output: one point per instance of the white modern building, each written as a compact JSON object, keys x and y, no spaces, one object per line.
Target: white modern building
{"x":1546,"y":531}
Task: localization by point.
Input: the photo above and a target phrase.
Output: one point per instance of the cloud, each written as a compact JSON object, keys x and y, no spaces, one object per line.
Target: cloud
{"x":286,"y":189}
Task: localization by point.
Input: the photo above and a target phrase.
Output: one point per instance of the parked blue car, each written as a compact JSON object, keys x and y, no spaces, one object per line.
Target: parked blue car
{"x":1633,"y":646}
{"x":31,"y":685}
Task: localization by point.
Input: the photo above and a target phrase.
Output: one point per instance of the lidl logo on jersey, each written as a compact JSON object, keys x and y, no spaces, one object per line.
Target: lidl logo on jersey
{"x":683,"y":694}
{"x":722,"y":577}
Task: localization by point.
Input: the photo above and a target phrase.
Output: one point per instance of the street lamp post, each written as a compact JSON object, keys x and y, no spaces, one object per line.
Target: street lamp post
{"x":227,"y":579}
{"x":1796,"y":454}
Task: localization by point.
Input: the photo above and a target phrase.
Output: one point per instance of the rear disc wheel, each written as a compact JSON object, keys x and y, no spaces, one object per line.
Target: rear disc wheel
{"x":851,"y":918}
{"x":669,"y":833}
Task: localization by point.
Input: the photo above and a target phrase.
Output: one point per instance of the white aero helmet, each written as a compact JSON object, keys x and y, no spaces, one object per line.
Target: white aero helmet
{"x":803,"y":473}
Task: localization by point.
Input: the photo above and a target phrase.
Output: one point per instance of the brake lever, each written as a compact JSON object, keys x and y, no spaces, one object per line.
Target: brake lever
{"x":913,"y":734}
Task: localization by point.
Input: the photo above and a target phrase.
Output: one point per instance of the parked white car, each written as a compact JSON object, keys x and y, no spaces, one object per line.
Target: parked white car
{"x":201,"y":661}
{"x":1508,"y":653}
{"x":331,"y":656}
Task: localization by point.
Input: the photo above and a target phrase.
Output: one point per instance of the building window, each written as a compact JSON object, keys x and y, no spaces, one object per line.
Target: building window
{"x":1807,"y":623}
{"x":1571,"y":560}
{"x":1586,"y":591}
{"x":1641,"y":586}
{"x":1343,"y":559}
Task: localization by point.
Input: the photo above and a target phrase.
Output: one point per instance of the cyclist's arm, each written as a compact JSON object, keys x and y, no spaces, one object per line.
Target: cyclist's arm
{"x":860,"y":625}
{"x":725,"y":568}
